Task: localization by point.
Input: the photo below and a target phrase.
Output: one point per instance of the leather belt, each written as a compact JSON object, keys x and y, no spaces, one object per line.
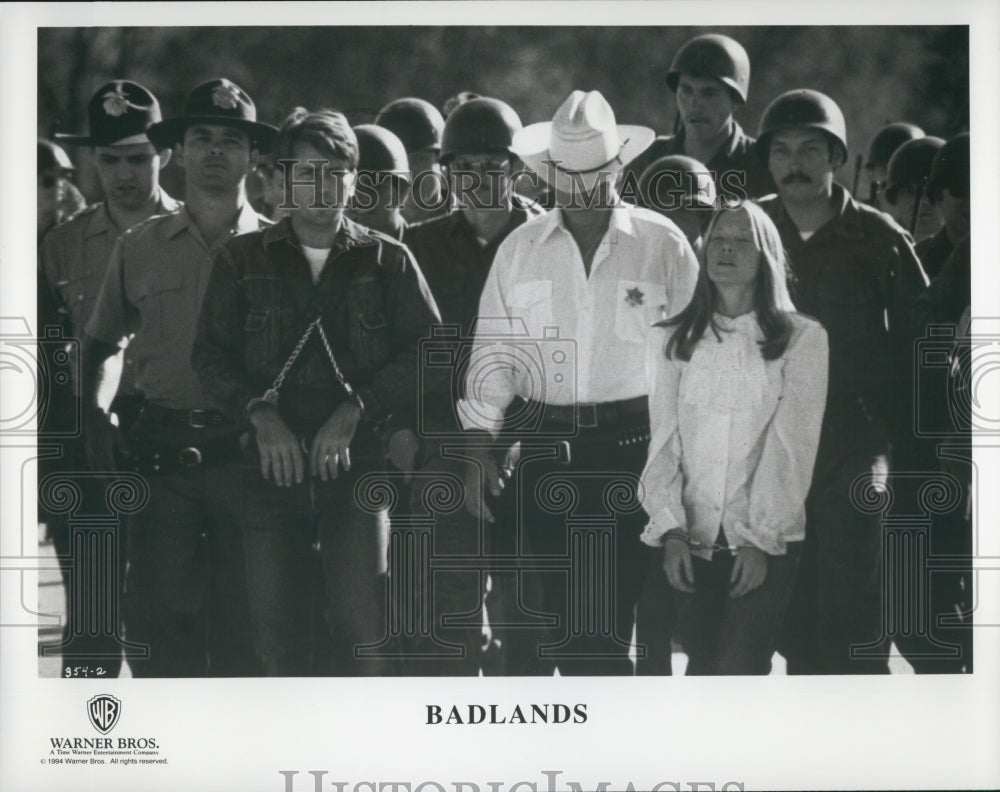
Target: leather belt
{"x":163,"y":460}
{"x":603,"y":415}
{"x":195,"y":419}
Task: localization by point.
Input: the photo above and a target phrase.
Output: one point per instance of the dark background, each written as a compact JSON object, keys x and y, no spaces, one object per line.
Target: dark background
{"x":876,"y":74}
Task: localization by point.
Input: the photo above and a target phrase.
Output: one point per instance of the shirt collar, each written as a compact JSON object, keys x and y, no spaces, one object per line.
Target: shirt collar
{"x":247,"y":220}
{"x":621,"y":220}
{"x":348,"y":236}
{"x":101,"y":223}
{"x":846,"y":223}
{"x":736,"y":138}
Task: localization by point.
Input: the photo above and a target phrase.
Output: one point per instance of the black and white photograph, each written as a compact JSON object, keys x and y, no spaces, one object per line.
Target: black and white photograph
{"x":397,"y":378}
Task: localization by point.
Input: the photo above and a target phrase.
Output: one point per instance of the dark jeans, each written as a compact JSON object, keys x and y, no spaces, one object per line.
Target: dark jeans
{"x":730,"y":636}
{"x":574,"y":532}
{"x":281,"y":528}
{"x":835,"y":619}
{"x":186,"y":589}
{"x":654,"y":621}
{"x":441,"y":560}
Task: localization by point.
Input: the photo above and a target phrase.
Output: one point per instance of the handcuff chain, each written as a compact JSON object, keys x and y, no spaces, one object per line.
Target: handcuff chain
{"x":715,"y":548}
{"x":271,"y":395}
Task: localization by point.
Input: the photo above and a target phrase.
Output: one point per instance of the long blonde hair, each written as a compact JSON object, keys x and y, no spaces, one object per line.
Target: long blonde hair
{"x":772,"y":301}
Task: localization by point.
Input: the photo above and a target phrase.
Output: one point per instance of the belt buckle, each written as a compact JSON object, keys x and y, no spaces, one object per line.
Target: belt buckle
{"x":586,"y":416}
{"x":189,"y":457}
{"x":197,"y":419}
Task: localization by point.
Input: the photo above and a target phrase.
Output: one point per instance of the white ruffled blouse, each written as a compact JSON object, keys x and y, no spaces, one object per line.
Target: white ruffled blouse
{"x":734,"y":436}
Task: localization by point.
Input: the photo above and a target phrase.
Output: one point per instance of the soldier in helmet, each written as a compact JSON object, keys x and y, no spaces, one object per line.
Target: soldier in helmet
{"x":383,"y":181}
{"x":710,"y":78}
{"x":54,"y":171}
{"x":906,"y":179}
{"x":856,"y":272}
{"x":880,"y":150}
{"x":418,"y":124}
{"x":455,"y":253}
{"x":74,"y":258}
{"x":948,"y":191}
{"x":682,"y":190}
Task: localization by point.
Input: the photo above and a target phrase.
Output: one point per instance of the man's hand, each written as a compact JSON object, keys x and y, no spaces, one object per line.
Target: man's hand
{"x":279,"y":448}
{"x":101,"y":439}
{"x":677,"y":562}
{"x":475,"y":503}
{"x":749,"y":570}
{"x":331,"y":446}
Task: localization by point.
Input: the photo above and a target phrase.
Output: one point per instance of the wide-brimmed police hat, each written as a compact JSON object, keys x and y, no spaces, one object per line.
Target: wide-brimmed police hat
{"x":217,"y":102}
{"x":119,"y":113}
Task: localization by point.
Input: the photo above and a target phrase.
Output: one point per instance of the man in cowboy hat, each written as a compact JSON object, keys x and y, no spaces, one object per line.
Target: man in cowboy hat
{"x":560,"y":349}
{"x":186,"y":575}
{"x":73,"y":260}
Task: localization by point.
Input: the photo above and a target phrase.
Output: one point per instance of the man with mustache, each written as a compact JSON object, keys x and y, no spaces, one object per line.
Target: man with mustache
{"x":710,"y":78}
{"x":856,"y":272}
{"x":73,"y":260}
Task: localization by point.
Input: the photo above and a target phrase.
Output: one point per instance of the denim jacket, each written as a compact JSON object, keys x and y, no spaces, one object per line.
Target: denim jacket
{"x":373,"y":303}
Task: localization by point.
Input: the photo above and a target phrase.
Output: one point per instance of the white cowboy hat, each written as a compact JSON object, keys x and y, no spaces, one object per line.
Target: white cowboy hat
{"x":581,"y":145}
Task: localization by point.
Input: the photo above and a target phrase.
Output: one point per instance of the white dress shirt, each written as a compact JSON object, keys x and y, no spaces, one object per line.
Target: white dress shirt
{"x":734,"y":436}
{"x":549,"y":333}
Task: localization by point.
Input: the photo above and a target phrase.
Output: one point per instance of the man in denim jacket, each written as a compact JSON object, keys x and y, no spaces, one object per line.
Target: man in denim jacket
{"x":309,"y":334}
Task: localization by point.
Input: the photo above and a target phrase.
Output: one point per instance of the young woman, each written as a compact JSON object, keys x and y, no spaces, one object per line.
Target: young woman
{"x":738,"y":386}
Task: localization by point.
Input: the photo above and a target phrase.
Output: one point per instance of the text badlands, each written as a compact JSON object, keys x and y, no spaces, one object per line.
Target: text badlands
{"x":476,"y":714}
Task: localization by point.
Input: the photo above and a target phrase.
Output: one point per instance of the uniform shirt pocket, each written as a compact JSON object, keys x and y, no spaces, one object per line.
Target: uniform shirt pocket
{"x":157,"y":299}
{"x":637,"y":305}
{"x":531,"y":303}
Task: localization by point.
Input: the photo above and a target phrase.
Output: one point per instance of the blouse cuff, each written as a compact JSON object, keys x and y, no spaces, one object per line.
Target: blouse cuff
{"x":657,"y":528}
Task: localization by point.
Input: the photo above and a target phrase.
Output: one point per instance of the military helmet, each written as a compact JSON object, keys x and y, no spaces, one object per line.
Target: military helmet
{"x":713,"y":55}
{"x":801,"y":107}
{"x":52,"y":157}
{"x":481,"y":124}
{"x":380,"y":151}
{"x":887,"y":140}
{"x":910,"y":165}
{"x":675,"y":176}
{"x":951,"y":168}
{"x":414,"y":121}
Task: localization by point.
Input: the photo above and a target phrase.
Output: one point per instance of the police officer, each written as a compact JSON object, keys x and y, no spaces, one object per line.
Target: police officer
{"x":383,"y":181}
{"x":75,"y":255}
{"x":560,"y":350}
{"x":419,"y":125}
{"x":856,"y":273}
{"x":948,"y":191}
{"x":682,"y":190}
{"x":906,"y":179}
{"x":186,"y":586}
{"x":455,"y":253}
{"x":880,"y":150}
{"x":710,"y":78}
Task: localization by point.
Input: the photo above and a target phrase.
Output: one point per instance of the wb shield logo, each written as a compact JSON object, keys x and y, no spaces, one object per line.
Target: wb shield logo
{"x":103,"y":711}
